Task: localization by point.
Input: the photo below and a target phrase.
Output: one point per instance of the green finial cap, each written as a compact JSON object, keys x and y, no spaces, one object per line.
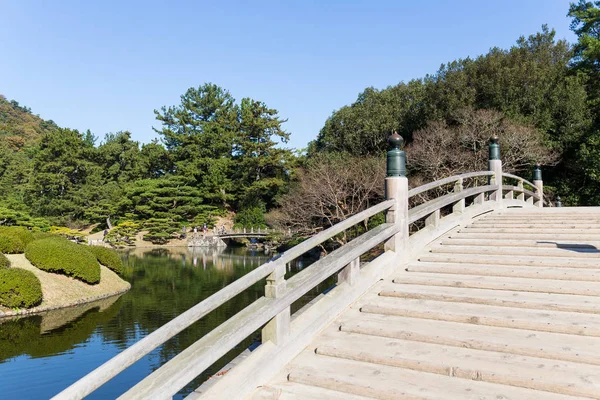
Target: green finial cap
{"x":396,"y":158}
{"x":537,"y":172}
{"x":494,"y":148}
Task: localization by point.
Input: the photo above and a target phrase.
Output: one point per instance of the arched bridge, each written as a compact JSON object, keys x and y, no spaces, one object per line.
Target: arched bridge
{"x":482,"y":292}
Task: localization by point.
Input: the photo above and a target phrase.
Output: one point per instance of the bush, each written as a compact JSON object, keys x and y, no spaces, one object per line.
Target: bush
{"x":4,"y":263}
{"x":20,"y":232}
{"x":13,"y":239}
{"x":11,"y":245}
{"x":45,"y":235}
{"x":19,"y":288}
{"x":61,"y":256}
{"x":108,"y":257}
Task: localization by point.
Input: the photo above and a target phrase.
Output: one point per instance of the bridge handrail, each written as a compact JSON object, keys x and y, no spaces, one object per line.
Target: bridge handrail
{"x":432,"y":185}
{"x":183,"y":368}
{"x":521,"y":190}
{"x":127,"y":357}
{"x":273,"y":309}
{"x":518,"y":178}
{"x":425,"y":209}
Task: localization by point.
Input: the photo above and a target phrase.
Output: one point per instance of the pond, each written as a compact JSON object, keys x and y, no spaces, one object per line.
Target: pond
{"x":41,"y":355}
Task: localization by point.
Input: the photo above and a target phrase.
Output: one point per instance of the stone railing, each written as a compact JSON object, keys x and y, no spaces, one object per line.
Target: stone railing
{"x":283,"y":338}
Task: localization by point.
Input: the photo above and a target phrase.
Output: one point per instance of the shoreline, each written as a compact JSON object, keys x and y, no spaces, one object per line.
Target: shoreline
{"x":61,"y":291}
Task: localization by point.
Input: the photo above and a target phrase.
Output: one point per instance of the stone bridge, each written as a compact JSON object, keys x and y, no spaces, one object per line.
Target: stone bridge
{"x":496,"y":296}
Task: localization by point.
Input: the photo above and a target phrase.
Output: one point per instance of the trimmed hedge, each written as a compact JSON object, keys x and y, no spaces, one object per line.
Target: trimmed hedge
{"x":19,"y":288}
{"x":4,"y":263}
{"x":108,"y":257}
{"x":11,"y":245}
{"x":13,"y":239}
{"x":45,"y":235}
{"x":64,"y":257}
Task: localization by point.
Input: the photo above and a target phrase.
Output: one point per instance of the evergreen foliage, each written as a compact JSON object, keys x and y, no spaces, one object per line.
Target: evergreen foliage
{"x":252,"y":216}
{"x":4,"y":262}
{"x":62,"y":256}
{"x":19,"y":288}
{"x":216,"y":154}
{"x":108,"y":257}
{"x":13,"y":239}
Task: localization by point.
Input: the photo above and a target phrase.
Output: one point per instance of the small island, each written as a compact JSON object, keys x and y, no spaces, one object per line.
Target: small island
{"x":41,"y":271}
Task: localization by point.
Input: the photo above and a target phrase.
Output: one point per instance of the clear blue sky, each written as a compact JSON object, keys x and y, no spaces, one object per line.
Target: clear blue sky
{"x":106,"y":65}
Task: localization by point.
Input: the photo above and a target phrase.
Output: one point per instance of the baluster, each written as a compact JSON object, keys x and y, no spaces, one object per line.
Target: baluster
{"x":521,"y":195}
{"x":479,"y":199}
{"x":529,"y":200}
{"x":277,"y":329}
{"x":459,"y":206}
{"x":350,"y":273}
{"x":433,"y":220}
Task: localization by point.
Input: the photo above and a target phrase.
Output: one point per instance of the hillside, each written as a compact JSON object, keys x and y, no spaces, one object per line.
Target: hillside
{"x":18,"y":126}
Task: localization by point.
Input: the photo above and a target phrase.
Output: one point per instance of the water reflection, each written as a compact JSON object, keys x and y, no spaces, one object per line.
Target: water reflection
{"x":61,"y":346}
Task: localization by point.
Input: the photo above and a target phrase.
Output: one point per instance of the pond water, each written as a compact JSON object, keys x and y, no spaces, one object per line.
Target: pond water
{"x":41,"y":355}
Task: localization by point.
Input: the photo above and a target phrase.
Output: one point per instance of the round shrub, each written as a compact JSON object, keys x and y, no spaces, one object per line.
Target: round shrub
{"x":4,"y":263}
{"x":24,"y":234}
{"x":11,"y":245}
{"x":13,"y":239}
{"x":19,"y":288}
{"x":45,"y":235}
{"x":108,"y":257}
{"x":64,"y":257}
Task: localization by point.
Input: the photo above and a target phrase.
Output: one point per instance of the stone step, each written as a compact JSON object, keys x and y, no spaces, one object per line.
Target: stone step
{"x":566,"y":224}
{"x":581,"y":252}
{"x":540,"y":218}
{"x":504,"y":340}
{"x":535,"y":373}
{"x":500,"y":298}
{"x":520,"y":260}
{"x":499,"y":283}
{"x":460,"y":241}
{"x":391,"y":383}
{"x":504,"y":317}
{"x":528,"y":236}
{"x":298,"y":391}
{"x":593,"y":233}
{"x":567,"y":274}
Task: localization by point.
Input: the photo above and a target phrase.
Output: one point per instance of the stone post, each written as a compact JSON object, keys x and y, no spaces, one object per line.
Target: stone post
{"x":459,"y":207}
{"x":539,"y":184}
{"x":558,"y":201}
{"x":495,"y":165}
{"x":396,"y":188}
{"x":277,"y":329}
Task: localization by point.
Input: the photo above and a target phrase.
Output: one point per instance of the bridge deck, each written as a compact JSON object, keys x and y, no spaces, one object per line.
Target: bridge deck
{"x":505,"y":308}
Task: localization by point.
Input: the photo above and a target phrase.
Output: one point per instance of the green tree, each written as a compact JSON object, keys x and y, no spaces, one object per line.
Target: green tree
{"x":62,"y":165}
{"x":261,"y":167}
{"x":199,"y":135}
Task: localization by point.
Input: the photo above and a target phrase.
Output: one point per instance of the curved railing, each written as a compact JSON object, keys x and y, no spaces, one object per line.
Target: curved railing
{"x":274,"y":308}
{"x":214,"y":345}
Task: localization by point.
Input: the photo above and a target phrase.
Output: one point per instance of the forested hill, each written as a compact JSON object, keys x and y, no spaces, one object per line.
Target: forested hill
{"x":18,"y":126}
{"x":216,"y":156}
